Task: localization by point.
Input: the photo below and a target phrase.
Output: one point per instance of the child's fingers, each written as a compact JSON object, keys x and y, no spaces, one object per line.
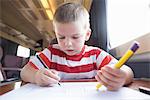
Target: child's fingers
{"x":51,"y":74}
{"x":105,"y":81}
{"x":42,"y":78}
{"x":113,"y":71}
{"x":110,"y":88}
{"x":98,"y":78}
{"x":48,"y":80}
{"x":115,"y":81}
{"x":109,"y":76}
{"x":54,"y":72}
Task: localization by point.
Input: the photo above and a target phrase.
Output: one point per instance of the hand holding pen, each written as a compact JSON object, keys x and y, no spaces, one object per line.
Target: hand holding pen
{"x":46,"y":77}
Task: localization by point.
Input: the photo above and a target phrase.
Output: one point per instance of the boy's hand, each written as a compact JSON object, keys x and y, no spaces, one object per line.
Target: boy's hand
{"x":46,"y":77}
{"x":112,"y":78}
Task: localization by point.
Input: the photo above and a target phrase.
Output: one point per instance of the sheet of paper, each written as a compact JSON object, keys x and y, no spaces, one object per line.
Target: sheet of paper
{"x":72,"y":91}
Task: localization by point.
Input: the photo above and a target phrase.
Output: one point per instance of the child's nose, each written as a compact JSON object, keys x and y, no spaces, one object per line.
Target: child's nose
{"x":68,"y":43}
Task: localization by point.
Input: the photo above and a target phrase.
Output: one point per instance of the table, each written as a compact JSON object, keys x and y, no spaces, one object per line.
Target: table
{"x":135,"y":84}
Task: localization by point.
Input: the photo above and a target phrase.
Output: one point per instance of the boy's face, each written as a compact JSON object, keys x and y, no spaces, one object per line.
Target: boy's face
{"x":71,"y":36}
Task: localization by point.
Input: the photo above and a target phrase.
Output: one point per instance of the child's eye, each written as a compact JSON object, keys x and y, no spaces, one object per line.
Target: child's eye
{"x":75,"y":37}
{"x":62,"y":37}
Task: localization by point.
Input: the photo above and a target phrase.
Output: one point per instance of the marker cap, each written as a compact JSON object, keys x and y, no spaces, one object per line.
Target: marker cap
{"x":135,"y":46}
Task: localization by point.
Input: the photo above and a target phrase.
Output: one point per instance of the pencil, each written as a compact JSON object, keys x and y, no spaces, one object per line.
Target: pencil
{"x":59,"y":84}
{"x":44,"y":65}
{"x":124,"y":58}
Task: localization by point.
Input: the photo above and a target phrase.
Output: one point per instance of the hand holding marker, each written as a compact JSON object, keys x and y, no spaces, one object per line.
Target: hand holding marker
{"x":124,"y":58}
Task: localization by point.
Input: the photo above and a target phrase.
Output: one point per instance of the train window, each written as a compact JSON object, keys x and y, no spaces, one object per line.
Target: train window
{"x":127,"y":20}
{"x":23,"y":51}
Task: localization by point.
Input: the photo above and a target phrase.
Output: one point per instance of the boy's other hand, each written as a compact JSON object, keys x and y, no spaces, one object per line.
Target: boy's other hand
{"x":46,"y":77}
{"x":112,"y":78}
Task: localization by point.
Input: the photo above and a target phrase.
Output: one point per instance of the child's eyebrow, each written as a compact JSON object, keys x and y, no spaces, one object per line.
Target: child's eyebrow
{"x":76,"y":34}
{"x":59,"y":34}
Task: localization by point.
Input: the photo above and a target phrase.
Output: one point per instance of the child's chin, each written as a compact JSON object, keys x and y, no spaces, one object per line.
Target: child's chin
{"x":70,"y":53}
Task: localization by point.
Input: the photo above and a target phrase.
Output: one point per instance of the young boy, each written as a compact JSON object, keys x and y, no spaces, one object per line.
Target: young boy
{"x":70,"y":58}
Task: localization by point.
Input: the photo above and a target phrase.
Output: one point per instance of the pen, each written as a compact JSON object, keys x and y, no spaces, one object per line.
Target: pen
{"x":124,"y":58}
{"x":44,"y":65}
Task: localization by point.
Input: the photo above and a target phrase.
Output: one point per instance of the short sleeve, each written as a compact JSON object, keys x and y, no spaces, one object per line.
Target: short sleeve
{"x":41,"y":60}
{"x":104,"y":58}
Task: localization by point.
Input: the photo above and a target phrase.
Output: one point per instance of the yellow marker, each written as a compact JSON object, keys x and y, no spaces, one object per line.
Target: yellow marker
{"x":98,"y":86}
{"x":124,"y":58}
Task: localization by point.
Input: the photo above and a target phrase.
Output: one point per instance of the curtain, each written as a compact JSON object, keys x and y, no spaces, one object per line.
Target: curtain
{"x":98,"y":25}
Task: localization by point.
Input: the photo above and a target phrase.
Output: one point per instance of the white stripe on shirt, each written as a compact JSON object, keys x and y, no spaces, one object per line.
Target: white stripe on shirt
{"x":65,"y":75}
{"x":101,"y":57}
{"x":37,"y":63}
{"x":84,"y":61}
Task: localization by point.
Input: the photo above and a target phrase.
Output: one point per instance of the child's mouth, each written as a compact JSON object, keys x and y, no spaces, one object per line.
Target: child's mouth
{"x":69,"y":50}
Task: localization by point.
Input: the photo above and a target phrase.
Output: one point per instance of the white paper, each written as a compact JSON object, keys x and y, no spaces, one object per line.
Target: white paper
{"x":72,"y":91}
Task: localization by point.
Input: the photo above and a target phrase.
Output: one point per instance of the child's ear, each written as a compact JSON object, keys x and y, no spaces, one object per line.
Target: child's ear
{"x":88,"y":34}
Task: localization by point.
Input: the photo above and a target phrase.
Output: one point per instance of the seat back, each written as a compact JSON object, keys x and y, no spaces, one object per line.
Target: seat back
{"x":12,"y":65}
{"x":11,"y":61}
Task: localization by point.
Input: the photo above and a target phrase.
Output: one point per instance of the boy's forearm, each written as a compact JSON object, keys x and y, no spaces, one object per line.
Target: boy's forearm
{"x":28,"y":74}
{"x":129,"y":74}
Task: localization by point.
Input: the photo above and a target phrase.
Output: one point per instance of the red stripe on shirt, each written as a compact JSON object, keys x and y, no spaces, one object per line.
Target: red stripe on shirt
{"x":45,"y":59}
{"x":77,"y":57}
{"x":105,"y":61}
{"x":33,"y":65}
{"x":76,"y":69}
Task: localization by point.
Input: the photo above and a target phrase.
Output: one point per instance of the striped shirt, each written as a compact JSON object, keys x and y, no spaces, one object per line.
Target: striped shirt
{"x":83,"y":65}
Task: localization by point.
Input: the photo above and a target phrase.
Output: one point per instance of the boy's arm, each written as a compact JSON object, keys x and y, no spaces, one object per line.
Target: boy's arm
{"x":41,"y":77}
{"x":28,"y":73}
{"x":129,"y":74}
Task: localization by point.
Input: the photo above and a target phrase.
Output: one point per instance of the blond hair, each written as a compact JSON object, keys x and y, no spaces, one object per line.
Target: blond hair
{"x":71,"y":12}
